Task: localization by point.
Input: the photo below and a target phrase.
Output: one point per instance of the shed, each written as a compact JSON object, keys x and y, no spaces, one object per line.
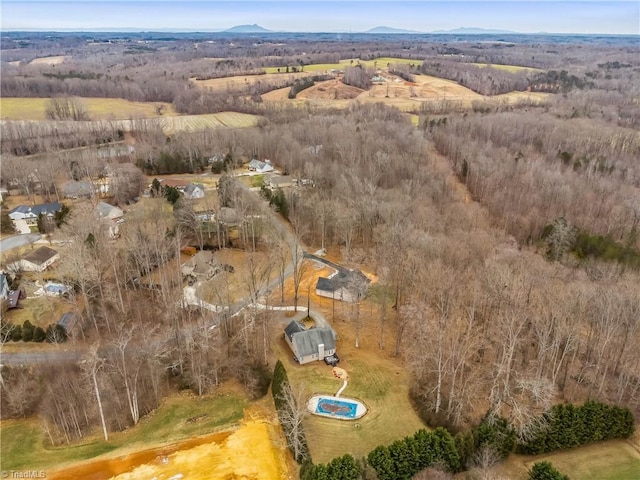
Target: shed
{"x":311,"y":344}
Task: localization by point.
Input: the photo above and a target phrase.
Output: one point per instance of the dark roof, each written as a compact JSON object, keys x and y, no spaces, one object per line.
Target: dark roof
{"x":46,"y":208}
{"x":14,"y":296}
{"x":305,"y":342}
{"x":353,"y":280}
{"x":40,"y":255}
{"x":77,"y":188}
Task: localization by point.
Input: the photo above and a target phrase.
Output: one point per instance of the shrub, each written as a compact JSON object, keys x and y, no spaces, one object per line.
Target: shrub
{"x":545,"y":471}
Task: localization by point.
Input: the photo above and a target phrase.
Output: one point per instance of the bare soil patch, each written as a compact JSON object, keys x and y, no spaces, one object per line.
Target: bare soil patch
{"x":330,"y":90}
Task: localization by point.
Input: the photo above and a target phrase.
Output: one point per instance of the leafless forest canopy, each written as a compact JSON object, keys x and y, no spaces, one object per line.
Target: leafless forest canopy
{"x":472,"y":223}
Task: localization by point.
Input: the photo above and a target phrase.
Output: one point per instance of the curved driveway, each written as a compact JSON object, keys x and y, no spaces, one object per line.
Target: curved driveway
{"x":18,"y":241}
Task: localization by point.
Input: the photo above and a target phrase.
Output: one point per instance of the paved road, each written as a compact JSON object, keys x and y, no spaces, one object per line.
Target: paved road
{"x":18,"y":241}
{"x":28,"y":358}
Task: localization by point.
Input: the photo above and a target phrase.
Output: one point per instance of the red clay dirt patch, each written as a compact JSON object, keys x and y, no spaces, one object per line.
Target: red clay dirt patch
{"x":330,"y":90}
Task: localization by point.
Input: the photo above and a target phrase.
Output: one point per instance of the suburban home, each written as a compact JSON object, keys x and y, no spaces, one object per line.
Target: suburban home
{"x":4,"y":287}
{"x":177,"y":183}
{"x":37,"y":261}
{"x":204,"y":266}
{"x":78,"y":189}
{"x":344,"y":284}
{"x":309,"y":345}
{"x":279,"y":181}
{"x":193,"y":191}
{"x":30,"y":214}
{"x":111,"y":216}
{"x":260,"y":167}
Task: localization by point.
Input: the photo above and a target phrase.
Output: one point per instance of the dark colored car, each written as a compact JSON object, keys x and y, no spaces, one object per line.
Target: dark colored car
{"x":332,"y":360}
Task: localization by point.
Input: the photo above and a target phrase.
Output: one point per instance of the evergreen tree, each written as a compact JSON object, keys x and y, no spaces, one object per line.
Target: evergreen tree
{"x":545,"y":471}
{"x":6,"y":224}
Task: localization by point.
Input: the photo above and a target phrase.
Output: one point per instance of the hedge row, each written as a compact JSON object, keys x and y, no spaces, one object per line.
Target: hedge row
{"x":341,"y":468}
{"x":27,"y":332}
{"x":571,"y":426}
{"x":278,"y":385}
{"x":545,"y":471}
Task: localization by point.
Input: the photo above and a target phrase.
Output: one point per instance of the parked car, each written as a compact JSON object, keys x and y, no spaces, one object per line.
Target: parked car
{"x":332,"y":360}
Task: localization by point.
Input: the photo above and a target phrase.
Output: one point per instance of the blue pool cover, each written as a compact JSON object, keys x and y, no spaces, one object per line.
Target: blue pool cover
{"x":336,"y":408}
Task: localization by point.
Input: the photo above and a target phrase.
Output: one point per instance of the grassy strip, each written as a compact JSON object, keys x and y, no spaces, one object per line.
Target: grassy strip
{"x":97,"y":108}
{"x":23,"y":444}
{"x":508,"y":68}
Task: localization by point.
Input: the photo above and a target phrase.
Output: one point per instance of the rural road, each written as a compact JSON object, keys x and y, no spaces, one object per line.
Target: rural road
{"x":29,"y":358}
{"x":18,"y":241}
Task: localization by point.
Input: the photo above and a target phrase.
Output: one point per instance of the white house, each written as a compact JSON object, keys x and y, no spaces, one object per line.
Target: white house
{"x":193,"y":191}
{"x":309,"y":345}
{"x":30,"y":214}
{"x":37,"y":261}
{"x":260,"y":167}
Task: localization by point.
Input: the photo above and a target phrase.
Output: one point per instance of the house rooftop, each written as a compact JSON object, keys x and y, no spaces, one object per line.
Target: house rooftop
{"x":41,"y":255}
{"x":44,"y":208}
{"x":306,"y":342}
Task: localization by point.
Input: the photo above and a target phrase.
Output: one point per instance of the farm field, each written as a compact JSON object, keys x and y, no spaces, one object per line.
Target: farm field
{"x":97,"y":108}
{"x":55,"y":60}
{"x":193,"y":123}
{"x":324,"y":67}
{"x":229,"y":84}
{"x":508,"y":68}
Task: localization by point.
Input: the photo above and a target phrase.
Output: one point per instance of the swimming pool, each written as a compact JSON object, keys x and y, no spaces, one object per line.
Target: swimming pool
{"x":54,"y":289}
{"x":334,"y":407}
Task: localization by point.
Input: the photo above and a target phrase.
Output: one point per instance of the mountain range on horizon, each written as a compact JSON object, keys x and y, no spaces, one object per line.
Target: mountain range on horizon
{"x":258,"y":29}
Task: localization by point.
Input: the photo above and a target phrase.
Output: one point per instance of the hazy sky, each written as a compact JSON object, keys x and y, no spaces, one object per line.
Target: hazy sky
{"x":595,"y":16}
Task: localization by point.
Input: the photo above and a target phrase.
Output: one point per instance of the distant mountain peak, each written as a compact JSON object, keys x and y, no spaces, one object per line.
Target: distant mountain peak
{"x":385,"y":29}
{"x":255,"y":28}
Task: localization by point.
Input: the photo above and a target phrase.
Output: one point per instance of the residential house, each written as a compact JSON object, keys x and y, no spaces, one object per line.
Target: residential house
{"x":37,"y":261}
{"x":4,"y":287}
{"x":111,"y":216}
{"x":6,"y":294}
{"x":344,"y":284}
{"x":260,"y":167}
{"x":177,"y":183}
{"x":30,"y":214}
{"x":193,"y":191}
{"x":309,"y":345}
{"x":279,"y":181}
{"x":75,"y":189}
{"x":204,"y":266}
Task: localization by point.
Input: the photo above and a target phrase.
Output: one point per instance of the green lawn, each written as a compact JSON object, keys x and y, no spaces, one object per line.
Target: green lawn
{"x":379,"y":383}
{"x":612,"y":460}
{"x":23,"y":444}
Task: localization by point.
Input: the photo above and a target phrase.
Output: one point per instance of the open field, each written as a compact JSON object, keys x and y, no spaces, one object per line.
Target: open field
{"x":381,"y":62}
{"x":613,"y":460}
{"x":24,"y":444}
{"x":97,"y":108}
{"x":193,"y":123}
{"x":240,"y":82}
{"x":57,"y":60}
{"x":508,"y":68}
